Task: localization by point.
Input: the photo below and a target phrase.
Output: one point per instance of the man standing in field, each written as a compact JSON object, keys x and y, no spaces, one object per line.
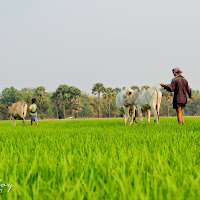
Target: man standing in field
{"x":33,"y":112}
{"x":180,"y":87}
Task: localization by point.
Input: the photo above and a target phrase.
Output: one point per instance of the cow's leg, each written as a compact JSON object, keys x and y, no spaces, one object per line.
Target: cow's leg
{"x":24,"y":121}
{"x":158,"y":107}
{"x":155,"y":115}
{"x":140,"y":114}
{"x":148,"y":115}
{"x":141,"y":117}
{"x":133,"y":116}
{"x":124,"y":118}
{"x":22,"y":116}
{"x":14,"y":123}
{"x":157,"y":111}
{"x":127,"y":114}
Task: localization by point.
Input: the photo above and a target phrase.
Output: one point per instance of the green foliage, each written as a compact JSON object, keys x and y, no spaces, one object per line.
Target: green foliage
{"x":114,"y":111}
{"x":134,"y":87}
{"x":10,"y":96}
{"x":98,"y":88}
{"x":49,"y":113}
{"x":40,"y":91}
{"x":3,"y":112}
{"x":145,"y":87}
{"x":117,"y":90}
{"x":74,"y":93}
{"x":87,"y":110}
{"x":123,"y":88}
{"x":69,"y":96}
{"x":27,"y":94}
{"x":40,"y":95}
{"x":56,"y":100}
{"x":67,"y":101}
{"x":63,"y":90}
{"x":109,"y":94}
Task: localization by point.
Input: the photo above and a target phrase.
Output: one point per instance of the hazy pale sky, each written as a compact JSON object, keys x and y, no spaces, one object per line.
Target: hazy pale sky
{"x":82,"y":42}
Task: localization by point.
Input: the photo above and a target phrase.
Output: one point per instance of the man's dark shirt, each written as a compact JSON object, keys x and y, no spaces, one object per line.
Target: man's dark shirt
{"x":180,"y":87}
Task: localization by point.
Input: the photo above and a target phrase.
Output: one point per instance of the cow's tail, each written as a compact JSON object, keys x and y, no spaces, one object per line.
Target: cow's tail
{"x":157,"y":103}
{"x":158,"y":100}
{"x":24,"y":107}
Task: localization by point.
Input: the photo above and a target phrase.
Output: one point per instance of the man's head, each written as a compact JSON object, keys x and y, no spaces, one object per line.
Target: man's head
{"x":33,"y":100}
{"x":176,"y":71}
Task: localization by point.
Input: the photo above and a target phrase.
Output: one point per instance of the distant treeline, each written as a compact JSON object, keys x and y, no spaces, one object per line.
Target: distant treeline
{"x":70,"y":102}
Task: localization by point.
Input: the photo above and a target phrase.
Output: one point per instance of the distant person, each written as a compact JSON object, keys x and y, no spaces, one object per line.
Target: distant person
{"x":33,"y":112}
{"x":180,"y":87}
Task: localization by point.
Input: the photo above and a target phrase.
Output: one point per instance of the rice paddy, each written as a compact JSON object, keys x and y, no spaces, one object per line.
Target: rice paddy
{"x":100,"y":159}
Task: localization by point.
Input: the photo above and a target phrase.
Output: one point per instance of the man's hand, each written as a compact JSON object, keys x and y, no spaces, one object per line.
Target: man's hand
{"x":191,"y":97}
{"x":162,"y":84}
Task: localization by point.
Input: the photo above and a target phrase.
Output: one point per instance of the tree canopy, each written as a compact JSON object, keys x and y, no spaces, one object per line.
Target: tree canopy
{"x":68,"y":101}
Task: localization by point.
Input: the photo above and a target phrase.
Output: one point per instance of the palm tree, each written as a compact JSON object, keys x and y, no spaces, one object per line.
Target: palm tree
{"x":63,"y":91}
{"x":168,"y":96}
{"x":40,"y":91}
{"x":117,"y":90}
{"x":108,"y":94}
{"x":98,"y":88}
{"x":56,"y":98}
{"x":74,"y":97}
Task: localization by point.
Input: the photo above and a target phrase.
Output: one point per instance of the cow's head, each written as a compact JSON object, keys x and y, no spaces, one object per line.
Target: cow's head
{"x":129,"y":92}
{"x":128,"y":96}
{"x":131,"y":95}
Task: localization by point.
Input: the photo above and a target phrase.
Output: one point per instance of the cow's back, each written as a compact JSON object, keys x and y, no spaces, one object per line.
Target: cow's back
{"x":154,"y":96}
{"x":119,"y":99}
{"x":142,"y":98}
{"x":18,"y":109}
{"x":149,"y":97}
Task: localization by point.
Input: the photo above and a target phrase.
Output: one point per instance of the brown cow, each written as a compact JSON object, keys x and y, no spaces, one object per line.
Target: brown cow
{"x":17,"y":110}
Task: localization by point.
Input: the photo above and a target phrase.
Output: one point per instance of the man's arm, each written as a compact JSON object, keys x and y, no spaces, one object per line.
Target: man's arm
{"x":189,"y":91}
{"x":171,"y":88}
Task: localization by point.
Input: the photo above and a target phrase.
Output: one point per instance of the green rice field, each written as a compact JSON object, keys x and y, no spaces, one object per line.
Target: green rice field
{"x":100,"y":159}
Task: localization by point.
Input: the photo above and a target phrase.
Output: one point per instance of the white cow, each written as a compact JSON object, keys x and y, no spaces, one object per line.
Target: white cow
{"x":146,"y":100}
{"x":18,"y":110}
{"x":125,"y":107}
